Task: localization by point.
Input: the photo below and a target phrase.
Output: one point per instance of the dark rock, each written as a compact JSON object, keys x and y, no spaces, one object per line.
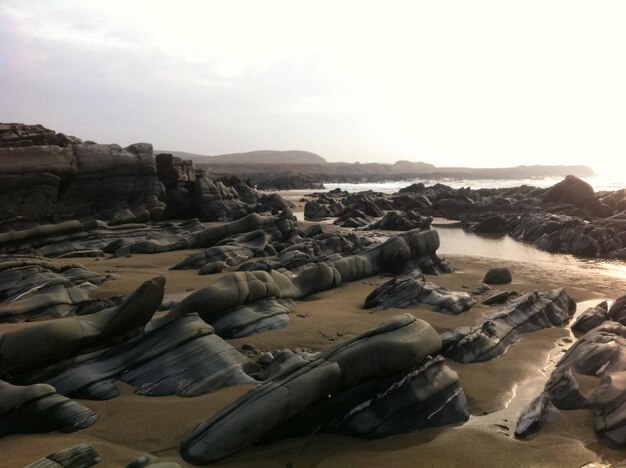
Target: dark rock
{"x":578,"y":193}
{"x":591,"y":318}
{"x":530,"y":312}
{"x":34,"y":287}
{"x":265,"y":359}
{"x":402,"y":221}
{"x":617,"y":312}
{"x":411,"y":289}
{"x":313,"y":210}
{"x":535,"y":416}
{"x":499,"y":297}
{"x":182,"y":358}
{"x":601,"y":352}
{"x":78,"y":456}
{"x":38,"y":408}
{"x":249,"y":319}
{"x":354,"y":219}
{"x":386,"y":371}
{"x":66,"y":337}
{"x":499,"y":275}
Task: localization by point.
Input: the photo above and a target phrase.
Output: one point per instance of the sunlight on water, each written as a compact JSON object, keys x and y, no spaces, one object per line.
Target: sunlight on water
{"x":597,"y":182}
{"x":456,"y":241}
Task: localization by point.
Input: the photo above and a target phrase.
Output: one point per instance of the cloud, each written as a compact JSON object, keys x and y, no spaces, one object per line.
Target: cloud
{"x":455,"y":83}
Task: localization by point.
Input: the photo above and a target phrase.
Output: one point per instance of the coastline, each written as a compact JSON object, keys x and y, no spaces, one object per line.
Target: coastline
{"x":132,"y":425}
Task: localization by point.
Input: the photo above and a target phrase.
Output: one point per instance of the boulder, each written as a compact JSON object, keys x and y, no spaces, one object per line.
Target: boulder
{"x":578,"y":193}
{"x":498,"y":275}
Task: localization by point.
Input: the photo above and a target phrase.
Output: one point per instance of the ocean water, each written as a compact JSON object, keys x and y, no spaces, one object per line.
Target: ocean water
{"x":598,"y":183}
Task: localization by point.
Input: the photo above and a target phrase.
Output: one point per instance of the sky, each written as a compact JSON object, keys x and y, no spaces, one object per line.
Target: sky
{"x":453,"y":83}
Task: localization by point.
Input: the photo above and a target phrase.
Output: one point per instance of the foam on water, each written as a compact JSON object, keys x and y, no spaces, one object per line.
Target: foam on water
{"x":598,"y":183}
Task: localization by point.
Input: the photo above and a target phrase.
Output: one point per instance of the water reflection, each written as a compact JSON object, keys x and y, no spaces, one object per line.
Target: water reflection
{"x":456,"y":241}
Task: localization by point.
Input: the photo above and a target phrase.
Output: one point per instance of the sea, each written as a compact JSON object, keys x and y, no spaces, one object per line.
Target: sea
{"x":598,"y":182}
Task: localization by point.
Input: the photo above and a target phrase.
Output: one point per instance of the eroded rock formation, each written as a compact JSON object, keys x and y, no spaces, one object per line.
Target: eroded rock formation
{"x":382,"y":382}
{"x":530,"y":312}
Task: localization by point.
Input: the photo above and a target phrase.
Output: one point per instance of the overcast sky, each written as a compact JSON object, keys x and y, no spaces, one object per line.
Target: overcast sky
{"x":467,"y":83}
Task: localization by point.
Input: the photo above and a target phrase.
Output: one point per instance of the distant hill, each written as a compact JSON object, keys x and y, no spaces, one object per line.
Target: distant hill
{"x":255,"y":163}
{"x":410,"y":166}
{"x":253,"y":157}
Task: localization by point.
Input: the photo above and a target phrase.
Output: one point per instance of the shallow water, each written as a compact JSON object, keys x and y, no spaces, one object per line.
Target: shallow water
{"x":456,"y":241}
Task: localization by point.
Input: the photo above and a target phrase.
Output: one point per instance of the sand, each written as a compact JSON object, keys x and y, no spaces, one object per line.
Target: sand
{"x":132,"y":425}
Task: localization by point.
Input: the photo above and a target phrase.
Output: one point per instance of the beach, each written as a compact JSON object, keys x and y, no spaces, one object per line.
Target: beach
{"x":130,"y":425}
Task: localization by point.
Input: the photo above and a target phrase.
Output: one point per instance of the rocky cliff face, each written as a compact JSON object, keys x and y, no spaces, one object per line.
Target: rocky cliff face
{"x":49,"y":177}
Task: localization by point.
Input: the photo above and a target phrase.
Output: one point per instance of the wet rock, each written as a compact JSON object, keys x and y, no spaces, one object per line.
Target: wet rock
{"x":411,"y":289}
{"x":609,"y":409}
{"x":392,"y":360}
{"x":499,"y":297}
{"x":591,"y":318}
{"x":38,"y":408}
{"x":211,"y":268}
{"x":151,"y":462}
{"x":184,"y":357}
{"x":617,"y":312}
{"x":601,"y":352}
{"x":233,"y":250}
{"x":565,"y":392}
{"x":499,"y":275}
{"x":67,"y":238}
{"x":265,"y":359}
{"x":78,"y":456}
{"x":530,"y":312}
{"x":578,"y":193}
{"x":313,"y":210}
{"x":246,"y":320}
{"x":535,"y":416}
{"x":66,"y":337}
{"x":402,"y":221}
{"x":354,"y":219}
{"x":35,"y":287}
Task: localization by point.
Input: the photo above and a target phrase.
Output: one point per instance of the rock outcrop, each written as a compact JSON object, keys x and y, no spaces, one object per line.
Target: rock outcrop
{"x":592,"y":318}
{"x":182,"y":358}
{"x":34,"y":287}
{"x":38,"y":408}
{"x":380,"y":383}
{"x":410,"y":289}
{"x":78,"y":456}
{"x":530,"y":312}
{"x":65,"y":337}
{"x":59,"y":178}
{"x":601,"y":352}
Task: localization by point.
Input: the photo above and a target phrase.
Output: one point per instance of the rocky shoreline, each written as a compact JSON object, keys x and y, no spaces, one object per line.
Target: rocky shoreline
{"x":251,"y":331}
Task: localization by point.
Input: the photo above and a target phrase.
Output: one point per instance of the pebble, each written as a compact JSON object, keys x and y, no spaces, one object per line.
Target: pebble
{"x":248,"y":346}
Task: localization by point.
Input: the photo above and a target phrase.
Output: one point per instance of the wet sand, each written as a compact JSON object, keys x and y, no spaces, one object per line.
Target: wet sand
{"x":132,"y":425}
